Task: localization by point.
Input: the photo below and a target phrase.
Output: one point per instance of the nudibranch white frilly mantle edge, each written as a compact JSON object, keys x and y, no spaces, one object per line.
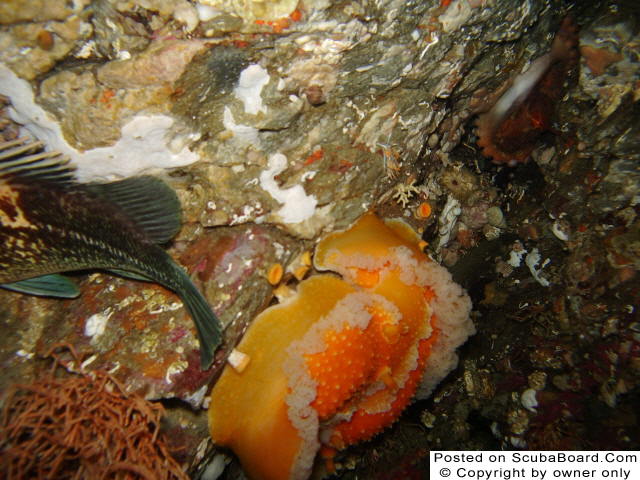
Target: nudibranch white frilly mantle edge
{"x":338,"y":361}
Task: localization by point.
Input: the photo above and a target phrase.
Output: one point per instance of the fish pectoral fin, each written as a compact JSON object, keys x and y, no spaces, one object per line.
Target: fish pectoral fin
{"x":148,"y":201}
{"x":47,"y":286}
{"x":27,"y":160}
{"x":130,"y":275}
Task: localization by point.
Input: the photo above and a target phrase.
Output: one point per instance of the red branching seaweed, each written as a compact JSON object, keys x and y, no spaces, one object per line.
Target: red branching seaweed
{"x":512,"y":128}
{"x":82,"y":425}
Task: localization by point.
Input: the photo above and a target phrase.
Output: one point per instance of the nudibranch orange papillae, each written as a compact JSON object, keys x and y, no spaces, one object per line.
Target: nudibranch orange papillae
{"x":510,"y":131}
{"x":339,"y":361}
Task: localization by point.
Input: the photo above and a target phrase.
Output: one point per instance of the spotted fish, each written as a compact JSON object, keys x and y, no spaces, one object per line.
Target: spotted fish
{"x":50,"y":223}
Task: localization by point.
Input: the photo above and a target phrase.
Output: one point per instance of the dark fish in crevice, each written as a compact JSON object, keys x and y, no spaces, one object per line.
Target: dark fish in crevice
{"x":512,"y":128}
{"x":49,"y":224}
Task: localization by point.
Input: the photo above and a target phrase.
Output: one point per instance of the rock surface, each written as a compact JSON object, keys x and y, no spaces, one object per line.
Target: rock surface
{"x":329,"y":109}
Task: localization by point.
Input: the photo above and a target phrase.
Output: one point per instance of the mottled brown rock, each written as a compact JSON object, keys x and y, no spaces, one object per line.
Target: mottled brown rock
{"x":161,"y":63}
{"x":92,"y":115}
{"x":32,"y":49}
{"x":14,"y":11}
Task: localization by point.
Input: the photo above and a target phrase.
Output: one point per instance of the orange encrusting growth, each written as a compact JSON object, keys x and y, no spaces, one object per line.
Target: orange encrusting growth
{"x":338,"y":361}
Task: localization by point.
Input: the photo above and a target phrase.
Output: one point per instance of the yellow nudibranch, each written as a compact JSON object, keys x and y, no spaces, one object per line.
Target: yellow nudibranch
{"x":338,"y":361}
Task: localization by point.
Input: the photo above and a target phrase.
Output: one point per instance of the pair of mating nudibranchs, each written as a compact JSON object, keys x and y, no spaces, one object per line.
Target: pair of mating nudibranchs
{"x":338,"y":361}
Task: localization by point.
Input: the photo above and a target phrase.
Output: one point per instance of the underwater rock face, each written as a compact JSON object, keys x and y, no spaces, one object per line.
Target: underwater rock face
{"x":609,"y":76}
{"x":140,"y":332}
{"x":32,"y":49}
{"x":250,"y":10}
{"x":16,"y":11}
{"x":94,"y":107}
{"x":372,"y":104}
{"x":360,"y":87}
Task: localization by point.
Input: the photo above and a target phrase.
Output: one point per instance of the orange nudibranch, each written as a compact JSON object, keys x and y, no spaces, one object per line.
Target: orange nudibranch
{"x":338,"y":361}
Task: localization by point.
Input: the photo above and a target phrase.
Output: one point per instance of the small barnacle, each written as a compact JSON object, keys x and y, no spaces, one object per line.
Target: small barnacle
{"x":490,"y":232}
{"x":45,"y":40}
{"x":300,"y":265}
{"x":460,"y":181}
{"x":528,"y":399}
{"x":427,"y":419}
{"x":274,"y":275}
{"x":561,"y":229}
{"x":424,"y":210}
{"x":315,"y":96}
{"x":537,"y":380}
{"x":495,"y":217}
{"x":518,"y":421}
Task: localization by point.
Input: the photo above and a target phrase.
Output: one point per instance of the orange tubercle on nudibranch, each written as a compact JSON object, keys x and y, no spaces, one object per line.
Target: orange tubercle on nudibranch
{"x":338,"y":361}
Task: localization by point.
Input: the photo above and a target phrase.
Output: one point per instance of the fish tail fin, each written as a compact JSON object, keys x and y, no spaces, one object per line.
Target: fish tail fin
{"x":207,"y":323}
